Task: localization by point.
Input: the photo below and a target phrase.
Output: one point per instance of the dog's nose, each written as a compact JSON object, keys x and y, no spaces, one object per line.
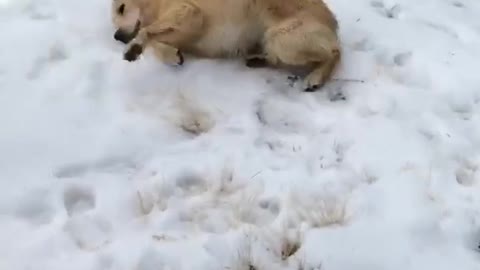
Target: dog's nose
{"x":121,"y":36}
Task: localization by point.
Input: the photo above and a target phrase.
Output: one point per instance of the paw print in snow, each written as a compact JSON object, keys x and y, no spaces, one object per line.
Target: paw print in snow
{"x":78,"y":199}
{"x":36,"y":208}
{"x":458,"y":4}
{"x":401,"y":59}
{"x":389,"y":12}
{"x":89,"y":232}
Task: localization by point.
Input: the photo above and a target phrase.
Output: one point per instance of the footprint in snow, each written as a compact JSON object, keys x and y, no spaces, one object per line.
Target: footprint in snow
{"x":271,"y":205}
{"x":401,"y":59}
{"x":153,"y":260}
{"x":40,"y":11}
{"x":441,"y":28}
{"x":467,"y":173}
{"x":78,"y":199}
{"x":35,"y":207}
{"x":89,"y":232}
{"x":363,"y":45}
{"x":458,"y":4}
{"x":462,"y":106}
{"x":56,"y":53}
{"x":106,"y":262}
{"x":259,"y":213}
{"x":393,"y":12}
{"x":191,"y":183}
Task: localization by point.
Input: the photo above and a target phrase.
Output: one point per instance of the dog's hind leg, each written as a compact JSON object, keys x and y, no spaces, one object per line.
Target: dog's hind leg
{"x":325,"y":63}
{"x":295,"y":42}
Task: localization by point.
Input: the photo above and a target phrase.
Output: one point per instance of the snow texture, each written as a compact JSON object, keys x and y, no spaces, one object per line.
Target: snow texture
{"x":111,"y":165}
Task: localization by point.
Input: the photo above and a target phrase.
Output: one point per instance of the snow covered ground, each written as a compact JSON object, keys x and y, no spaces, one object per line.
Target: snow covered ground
{"x":106,"y":164}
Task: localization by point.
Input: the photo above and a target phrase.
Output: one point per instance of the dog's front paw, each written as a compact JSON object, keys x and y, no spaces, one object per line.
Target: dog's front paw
{"x":133,"y":52}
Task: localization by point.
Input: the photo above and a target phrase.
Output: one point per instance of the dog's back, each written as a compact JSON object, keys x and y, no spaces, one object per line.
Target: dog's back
{"x":275,"y":11}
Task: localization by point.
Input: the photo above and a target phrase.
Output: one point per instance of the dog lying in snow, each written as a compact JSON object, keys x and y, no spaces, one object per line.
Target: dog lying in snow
{"x":277,"y":33}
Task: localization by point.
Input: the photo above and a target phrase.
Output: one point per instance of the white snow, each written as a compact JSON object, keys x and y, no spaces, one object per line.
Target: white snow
{"x":106,"y":164}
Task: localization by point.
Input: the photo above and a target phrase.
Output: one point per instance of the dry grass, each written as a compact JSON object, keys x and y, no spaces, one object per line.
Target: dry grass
{"x":318,"y":210}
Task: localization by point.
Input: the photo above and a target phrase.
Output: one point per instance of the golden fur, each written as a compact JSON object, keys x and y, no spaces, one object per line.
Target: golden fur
{"x":283,"y":32}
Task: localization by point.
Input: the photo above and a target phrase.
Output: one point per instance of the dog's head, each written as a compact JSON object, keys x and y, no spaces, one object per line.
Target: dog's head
{"x":126,"y":18}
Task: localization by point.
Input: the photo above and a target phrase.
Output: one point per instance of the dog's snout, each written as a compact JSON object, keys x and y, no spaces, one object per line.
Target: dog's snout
{"x":122,"y":36}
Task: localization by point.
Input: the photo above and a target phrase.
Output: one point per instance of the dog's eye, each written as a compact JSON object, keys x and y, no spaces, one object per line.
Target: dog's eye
{"x":121,"y":9}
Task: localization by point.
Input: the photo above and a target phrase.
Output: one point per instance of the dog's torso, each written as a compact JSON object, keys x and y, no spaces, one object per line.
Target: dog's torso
{"x":234,"y":27}
{"x":231,"y":29}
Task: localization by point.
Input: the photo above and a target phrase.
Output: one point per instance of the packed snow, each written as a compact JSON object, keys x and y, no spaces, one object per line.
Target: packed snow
{"x":111,"y":165}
